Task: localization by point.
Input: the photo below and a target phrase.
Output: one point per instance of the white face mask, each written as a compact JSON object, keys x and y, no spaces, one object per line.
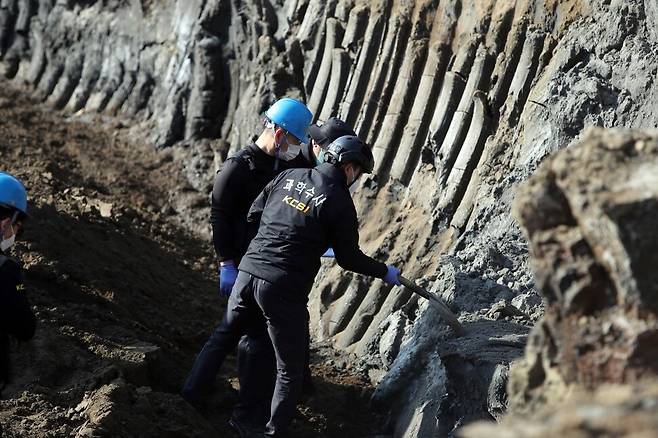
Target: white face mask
{"x":291,"y":153}
{"x":7,"y":243}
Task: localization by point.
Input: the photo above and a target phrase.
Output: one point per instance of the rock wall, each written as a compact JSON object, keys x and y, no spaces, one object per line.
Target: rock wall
{"x":589,"y":215}
{"x":461,"y":100}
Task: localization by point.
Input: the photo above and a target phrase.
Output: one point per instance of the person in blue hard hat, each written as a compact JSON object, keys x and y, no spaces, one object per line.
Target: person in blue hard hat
{"x":16,"y":317}
{"x":299,"y":215}
{"x":237,"y":184}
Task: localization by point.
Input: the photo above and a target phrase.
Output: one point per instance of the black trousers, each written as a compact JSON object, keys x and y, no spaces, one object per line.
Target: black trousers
{"x":252,"y":301}
{"x":257,"y":375}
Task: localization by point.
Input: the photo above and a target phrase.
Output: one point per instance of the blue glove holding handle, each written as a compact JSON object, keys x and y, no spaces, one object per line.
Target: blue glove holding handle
{"x":392,"y":276}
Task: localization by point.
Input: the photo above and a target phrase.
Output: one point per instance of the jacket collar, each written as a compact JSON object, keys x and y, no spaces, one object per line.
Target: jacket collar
{"x":332,"y":172}
{"x":258,"y":153}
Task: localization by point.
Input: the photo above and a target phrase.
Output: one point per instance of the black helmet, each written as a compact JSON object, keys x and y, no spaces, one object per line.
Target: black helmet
{"x":349,"y":149}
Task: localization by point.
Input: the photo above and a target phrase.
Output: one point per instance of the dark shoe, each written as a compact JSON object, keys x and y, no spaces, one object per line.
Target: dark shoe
{"x":246,"y":430}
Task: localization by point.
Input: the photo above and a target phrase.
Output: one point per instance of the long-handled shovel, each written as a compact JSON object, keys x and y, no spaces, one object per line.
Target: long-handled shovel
{"x":439,"y":305}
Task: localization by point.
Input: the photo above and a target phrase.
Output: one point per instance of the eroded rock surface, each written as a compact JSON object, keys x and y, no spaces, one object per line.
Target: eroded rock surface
{"x":619,"y":411}
{"x":589,"y":214}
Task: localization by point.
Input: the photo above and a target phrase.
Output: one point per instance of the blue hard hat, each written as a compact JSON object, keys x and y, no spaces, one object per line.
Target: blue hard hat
{"x":291,"y":115}
{"x":12,"y":193}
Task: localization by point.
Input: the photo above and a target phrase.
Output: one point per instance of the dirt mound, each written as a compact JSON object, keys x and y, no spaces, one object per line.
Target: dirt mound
{"x":124,"y":296}
{"x":589,"y":213}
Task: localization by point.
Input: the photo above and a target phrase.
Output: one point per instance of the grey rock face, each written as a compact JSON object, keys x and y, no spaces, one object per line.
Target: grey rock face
{"x":461,"y":101}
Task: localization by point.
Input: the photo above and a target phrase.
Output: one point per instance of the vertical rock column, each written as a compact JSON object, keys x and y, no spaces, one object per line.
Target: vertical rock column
{"x":8,"y":10}
{"x":318,"y":94}
{"x":404,"y":93}
{"x":431,"y":81}
{"x":374,"y":91}
{"x":355,"y":93}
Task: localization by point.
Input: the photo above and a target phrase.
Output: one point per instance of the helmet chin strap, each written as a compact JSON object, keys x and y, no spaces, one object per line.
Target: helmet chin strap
{"x":277,"y":151}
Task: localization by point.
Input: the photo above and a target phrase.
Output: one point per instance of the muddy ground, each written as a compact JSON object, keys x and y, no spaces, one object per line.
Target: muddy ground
{"x":124,"y":295}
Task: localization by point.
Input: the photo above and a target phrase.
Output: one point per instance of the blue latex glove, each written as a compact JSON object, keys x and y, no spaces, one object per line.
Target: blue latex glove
{"x":392,"y":275}
{"x":227,"y":275}
{"x":329,"y":253}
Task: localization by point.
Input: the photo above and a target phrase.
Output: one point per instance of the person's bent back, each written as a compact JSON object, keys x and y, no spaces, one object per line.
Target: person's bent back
{"x":300,"y":214}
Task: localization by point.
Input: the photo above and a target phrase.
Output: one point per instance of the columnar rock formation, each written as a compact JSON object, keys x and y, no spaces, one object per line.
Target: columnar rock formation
{"x":461,"y":99}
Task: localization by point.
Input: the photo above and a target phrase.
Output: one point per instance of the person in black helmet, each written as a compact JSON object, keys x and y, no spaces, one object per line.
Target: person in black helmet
{"x":16,"y":317}
{"x":299,"y":214}
{"x":321,"y":135}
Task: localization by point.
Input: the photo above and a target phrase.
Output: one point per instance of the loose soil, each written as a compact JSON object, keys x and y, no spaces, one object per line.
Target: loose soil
{"x":124,"y":296}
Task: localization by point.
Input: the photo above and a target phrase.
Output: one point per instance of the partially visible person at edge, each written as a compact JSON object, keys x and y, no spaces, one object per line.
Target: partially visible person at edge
{"x":299,"y":215}
{"x":237,"y":184}
{"x":16,"y":317}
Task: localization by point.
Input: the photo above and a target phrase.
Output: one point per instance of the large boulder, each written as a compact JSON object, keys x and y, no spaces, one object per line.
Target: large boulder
{"x":590,"y":214}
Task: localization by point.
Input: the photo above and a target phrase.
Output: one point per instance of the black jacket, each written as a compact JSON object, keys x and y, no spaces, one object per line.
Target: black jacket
{"x":301,"y":213}
{"x":16,"y":317}
{"x":240,"y":180}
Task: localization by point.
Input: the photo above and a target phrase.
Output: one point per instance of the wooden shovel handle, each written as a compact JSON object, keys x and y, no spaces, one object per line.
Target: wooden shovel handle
{"x":436,"y":302}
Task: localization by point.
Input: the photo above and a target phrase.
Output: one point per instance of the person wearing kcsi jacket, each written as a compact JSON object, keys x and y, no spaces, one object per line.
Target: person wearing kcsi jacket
{"x":16,"y":317}
{"x":300,"y":213}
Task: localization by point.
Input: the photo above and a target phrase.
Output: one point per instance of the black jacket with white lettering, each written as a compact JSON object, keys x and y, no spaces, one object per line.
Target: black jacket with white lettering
{"x":16,"y":317}
{"x":301,"y":213}
{"x":240,"y":180}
